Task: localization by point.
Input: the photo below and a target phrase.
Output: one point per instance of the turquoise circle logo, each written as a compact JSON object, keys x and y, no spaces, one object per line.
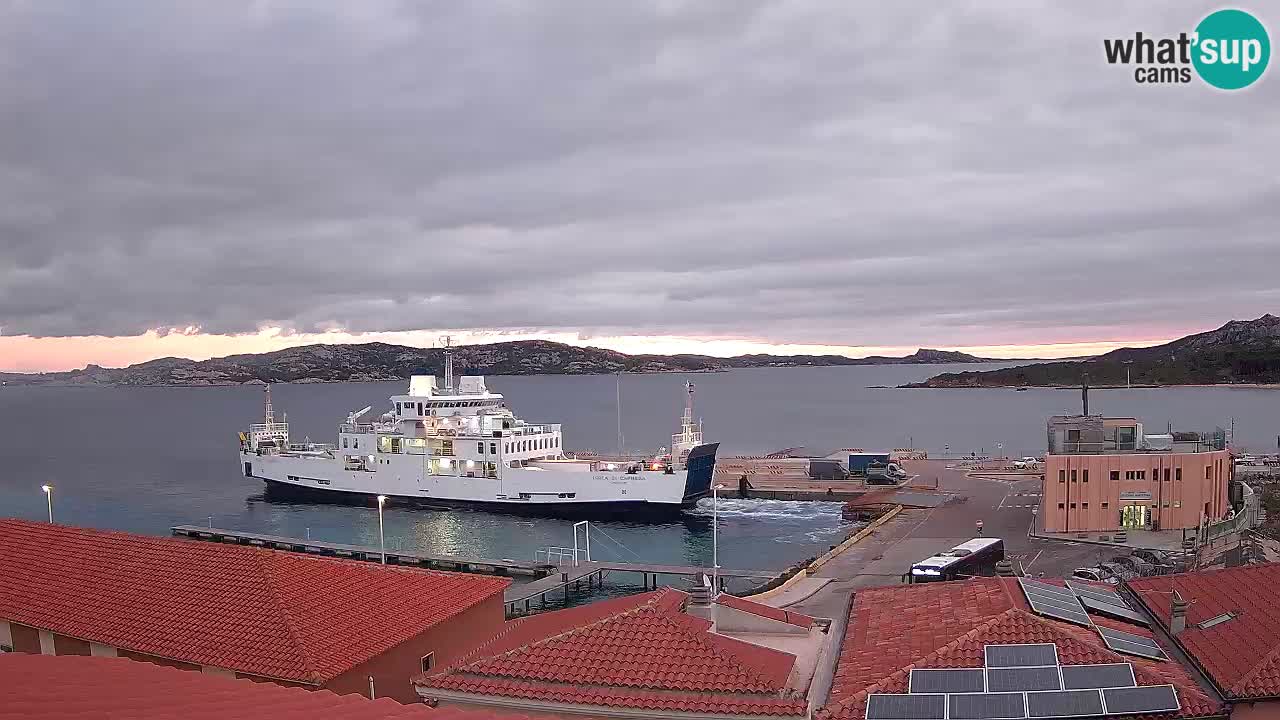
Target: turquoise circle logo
{"x":1232,"y":49}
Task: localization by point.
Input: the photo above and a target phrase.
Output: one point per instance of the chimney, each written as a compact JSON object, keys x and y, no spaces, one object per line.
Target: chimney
{"x":1178,"y":621}
{"x":1084,"y":392}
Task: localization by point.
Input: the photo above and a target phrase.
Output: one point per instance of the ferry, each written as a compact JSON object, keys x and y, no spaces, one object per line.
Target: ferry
{"x":462,"y":447}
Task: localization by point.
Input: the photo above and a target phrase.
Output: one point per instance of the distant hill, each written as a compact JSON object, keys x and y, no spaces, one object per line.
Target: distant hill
{"x":1242,"y":351}
{"x":381,"y":361}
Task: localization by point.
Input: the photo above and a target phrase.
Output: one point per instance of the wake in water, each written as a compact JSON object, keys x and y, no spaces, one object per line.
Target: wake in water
{"x":782,"y":509}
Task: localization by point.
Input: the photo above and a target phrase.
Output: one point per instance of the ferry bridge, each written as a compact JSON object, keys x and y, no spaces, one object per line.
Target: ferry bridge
{"x":549,"y":576}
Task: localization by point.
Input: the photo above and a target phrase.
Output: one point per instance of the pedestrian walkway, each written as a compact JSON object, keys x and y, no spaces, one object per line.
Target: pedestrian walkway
{"x":802,"y":590}
{"x":1167,"y":540}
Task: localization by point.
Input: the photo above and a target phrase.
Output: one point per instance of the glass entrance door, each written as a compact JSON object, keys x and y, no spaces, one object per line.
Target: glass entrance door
{"x":1135,"y":517}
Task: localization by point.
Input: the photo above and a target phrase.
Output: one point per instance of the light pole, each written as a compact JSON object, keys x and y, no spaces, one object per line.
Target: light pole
{"x":715,"y":539}
{"x":48,"y":495}
{"x":382,"y":541}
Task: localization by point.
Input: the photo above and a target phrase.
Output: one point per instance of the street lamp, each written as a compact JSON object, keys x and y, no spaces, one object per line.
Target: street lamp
{"x":715,"y":539}
{"x":382,"y":541}
{"x":48,"y":495}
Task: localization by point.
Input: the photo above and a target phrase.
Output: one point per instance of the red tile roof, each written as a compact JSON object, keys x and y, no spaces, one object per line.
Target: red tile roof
{"x":766,"y":611}
{"x":276,"y":614}
{"x":1241,"y":655}
{"x":45,"y":687}
{"x":639,"y":652}
{"x":941,"y":625}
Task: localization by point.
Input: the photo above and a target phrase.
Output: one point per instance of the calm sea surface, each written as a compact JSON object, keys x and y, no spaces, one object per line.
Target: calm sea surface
{"x":144,"y":459}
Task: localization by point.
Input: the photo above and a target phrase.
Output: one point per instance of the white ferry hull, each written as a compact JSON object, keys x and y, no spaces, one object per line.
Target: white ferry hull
{"x":404,"y":478}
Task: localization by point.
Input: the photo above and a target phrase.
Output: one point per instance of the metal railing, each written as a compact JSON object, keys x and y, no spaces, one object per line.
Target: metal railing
{"x":555,"y":555}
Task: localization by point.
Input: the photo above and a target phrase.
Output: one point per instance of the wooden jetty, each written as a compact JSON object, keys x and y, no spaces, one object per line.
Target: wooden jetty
{"x":549,"y":577}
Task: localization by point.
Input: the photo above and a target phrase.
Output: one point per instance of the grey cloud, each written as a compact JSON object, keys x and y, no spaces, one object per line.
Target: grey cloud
{"x":796,"y":171}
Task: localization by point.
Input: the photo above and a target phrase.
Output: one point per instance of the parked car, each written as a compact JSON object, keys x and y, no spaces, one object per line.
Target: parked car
{"x":1094,"y":574}
{"x":1118,"y":571}
{"x":1155,"y":557}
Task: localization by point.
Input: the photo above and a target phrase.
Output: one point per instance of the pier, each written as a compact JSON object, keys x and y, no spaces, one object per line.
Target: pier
{"x":549,"y":577}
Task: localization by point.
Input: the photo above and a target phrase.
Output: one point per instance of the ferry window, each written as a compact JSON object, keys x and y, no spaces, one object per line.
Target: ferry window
{"x":428,"y":662}
{"x":506,"y":447}
{"x":1115,"y":474}
{"x":419,"y":408}
{"x":1177,"y":474}
{"x":397,"y":407}
{"x":344,"y":443}
{"x":480,"y":448}
{"x":493,"y":448}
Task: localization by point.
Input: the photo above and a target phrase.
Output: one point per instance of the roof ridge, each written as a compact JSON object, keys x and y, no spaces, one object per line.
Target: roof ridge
{"x":1267,"y":660}
{"x":269,"y":582}
{"x":701,"y":637}
{"x":570,"y":631}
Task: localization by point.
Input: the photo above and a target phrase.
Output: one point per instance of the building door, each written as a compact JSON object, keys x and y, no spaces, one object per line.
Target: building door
{"x":1135,"y":517}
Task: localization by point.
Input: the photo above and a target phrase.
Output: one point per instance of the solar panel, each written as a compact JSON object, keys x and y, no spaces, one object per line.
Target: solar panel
{"x":1030,"y":655}
{"x":986,"y":706}
{"x":1115,"y":611}
{"x":1083,"y":677}
{"x":947,"y":681}
{"x":1055,"y":602}
{"x":1021,"y":679}
{"x":1045,"y":588}
{"x":1064,"y":704}
{"x":1123,"y":642}
{"x":906,"y":707}
{"x":1096,"y":592}
{"x":1150,"y":699}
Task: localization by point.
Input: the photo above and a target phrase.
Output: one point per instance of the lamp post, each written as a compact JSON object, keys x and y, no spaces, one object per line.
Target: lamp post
{"x":382,"y":541}
{"x":715,"y":539}
{"x":48,"y":495}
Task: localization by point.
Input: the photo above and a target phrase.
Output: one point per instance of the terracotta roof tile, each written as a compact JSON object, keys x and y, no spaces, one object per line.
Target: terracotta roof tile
{"x":781,"y":615}
{"x":640,"y":652}
{"x":1241,"y":655}
{"x":941,"y":625}
{"x":46,"y":687}
{"x":264,"y":612}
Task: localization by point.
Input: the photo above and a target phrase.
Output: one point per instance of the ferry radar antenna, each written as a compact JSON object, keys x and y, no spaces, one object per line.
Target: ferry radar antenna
{"x":448,"y":362}
{"x":270,"y":415}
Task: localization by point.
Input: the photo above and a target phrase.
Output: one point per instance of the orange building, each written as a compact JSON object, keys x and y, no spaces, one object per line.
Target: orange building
{"x":1107,"y":474}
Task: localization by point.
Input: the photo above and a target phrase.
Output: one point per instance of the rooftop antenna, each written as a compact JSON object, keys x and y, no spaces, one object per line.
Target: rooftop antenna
{"x":1084,"y":392}
{"x":270,"y":414}
{"x":448,"y":362}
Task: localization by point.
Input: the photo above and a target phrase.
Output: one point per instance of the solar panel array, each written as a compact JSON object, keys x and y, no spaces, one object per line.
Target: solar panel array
{"x":1130,"y":644}
{"x":1055,"y":601}
{"x":1023,"y":682}
{"x":1105,"y":602}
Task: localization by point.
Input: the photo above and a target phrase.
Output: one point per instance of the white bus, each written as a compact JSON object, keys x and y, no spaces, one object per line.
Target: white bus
{"x":975,"y":557}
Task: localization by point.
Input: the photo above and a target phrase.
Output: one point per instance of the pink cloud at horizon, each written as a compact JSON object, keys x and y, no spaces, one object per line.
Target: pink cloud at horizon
{"x":51,"y":354}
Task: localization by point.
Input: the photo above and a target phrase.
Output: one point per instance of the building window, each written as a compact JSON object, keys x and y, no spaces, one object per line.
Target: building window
{"x":1142,"y":474}
{"x":1084,"y":475}
{"x":1177,"y":474}
{"x":1062,"y":476}
{"x":1084,"y":506}
{"x":1073,"y":475}
{"x":428,"y":662}
{"x":1073,"y":506}
{"x":1166,"y":504}
{"x":1106,"y":505}
{"x":1115,"y":474}
{"x":1208,"y":471}
{"x":1060,"y":506}
{"x":1177,"y":503}
{"x":1166,"y":474}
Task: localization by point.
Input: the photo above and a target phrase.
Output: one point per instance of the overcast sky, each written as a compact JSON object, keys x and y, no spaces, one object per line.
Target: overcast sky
{"x":858,"y":175}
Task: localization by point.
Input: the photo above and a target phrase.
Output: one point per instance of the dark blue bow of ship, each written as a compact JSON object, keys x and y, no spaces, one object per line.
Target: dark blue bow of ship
{"x":700,"y":466}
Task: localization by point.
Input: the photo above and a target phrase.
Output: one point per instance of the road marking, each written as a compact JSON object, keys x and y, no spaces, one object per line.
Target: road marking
{"x":1026,"y":568}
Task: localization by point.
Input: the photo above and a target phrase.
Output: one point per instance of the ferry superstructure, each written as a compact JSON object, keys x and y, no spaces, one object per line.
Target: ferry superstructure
{"x":462,"y":446}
